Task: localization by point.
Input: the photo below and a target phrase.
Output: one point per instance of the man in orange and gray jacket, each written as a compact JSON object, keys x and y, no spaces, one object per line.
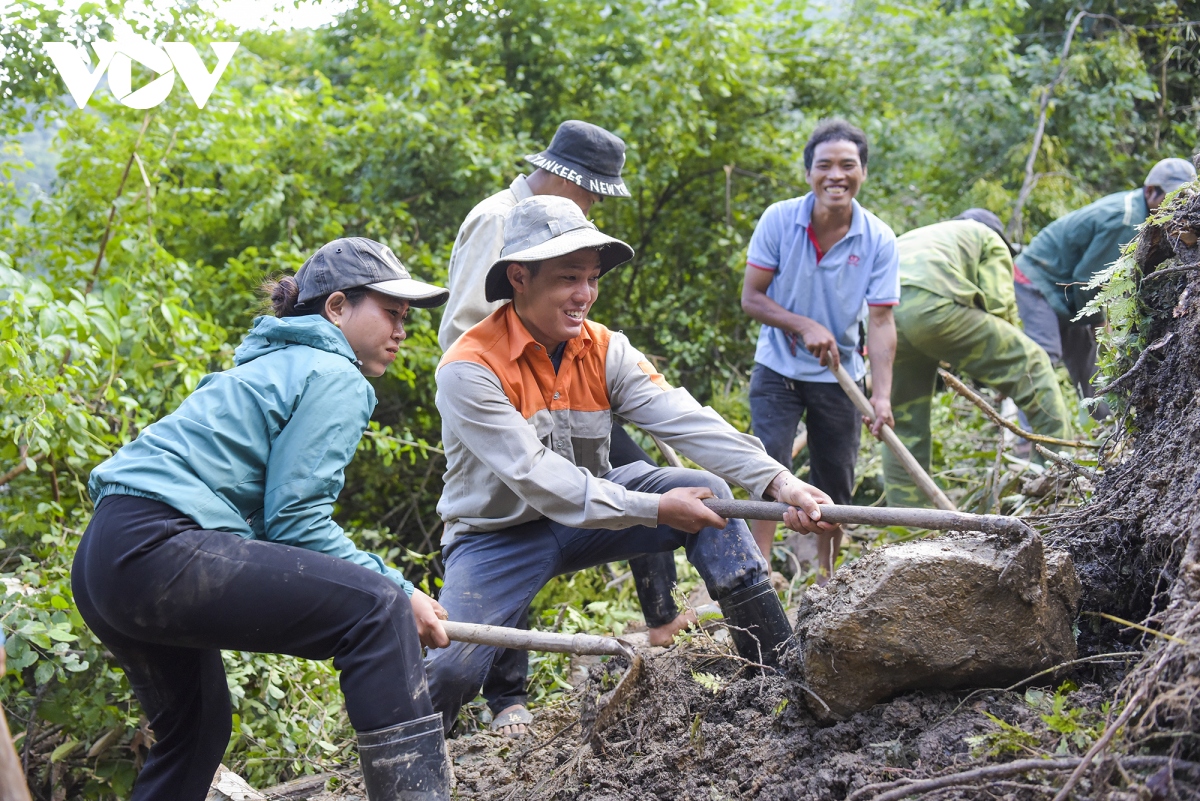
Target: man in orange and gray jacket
{"x":527,"y":398}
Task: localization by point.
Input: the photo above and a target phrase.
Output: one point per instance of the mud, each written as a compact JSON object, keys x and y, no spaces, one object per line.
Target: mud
{"x":699,"y":730}
{"x":751,"y":738}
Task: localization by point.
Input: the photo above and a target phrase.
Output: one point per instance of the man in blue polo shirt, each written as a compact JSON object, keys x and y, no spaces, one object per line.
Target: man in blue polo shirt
{"x":818,"y":267}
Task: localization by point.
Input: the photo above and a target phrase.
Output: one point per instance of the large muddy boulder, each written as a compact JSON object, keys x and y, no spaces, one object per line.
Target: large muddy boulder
{"x":955,"y":611}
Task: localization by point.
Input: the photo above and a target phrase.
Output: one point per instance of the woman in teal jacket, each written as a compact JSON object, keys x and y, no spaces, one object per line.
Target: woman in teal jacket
{"x":213,"y":531}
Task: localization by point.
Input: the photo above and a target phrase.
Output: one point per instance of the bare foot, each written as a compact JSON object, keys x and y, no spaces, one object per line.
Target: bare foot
{"x":516,"y":729}
{"x":665,"y":635}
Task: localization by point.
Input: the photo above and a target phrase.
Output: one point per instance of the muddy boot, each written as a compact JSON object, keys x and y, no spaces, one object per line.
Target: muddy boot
{"x":406,"y":762}
{"x":757,"y":623}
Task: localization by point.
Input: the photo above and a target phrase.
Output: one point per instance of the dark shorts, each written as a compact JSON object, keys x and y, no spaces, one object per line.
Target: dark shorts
{"x":778,"y":404}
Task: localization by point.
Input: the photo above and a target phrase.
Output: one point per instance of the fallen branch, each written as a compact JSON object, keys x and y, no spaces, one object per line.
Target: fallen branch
{"x":902,"y":788}
{"x":1137,"y":365}
{"x":1187,"y":268}
{"x":1077,"y":469}
{"x":1100,"y":744}
{"x":995,"y":416}
{"x":298,"y":789}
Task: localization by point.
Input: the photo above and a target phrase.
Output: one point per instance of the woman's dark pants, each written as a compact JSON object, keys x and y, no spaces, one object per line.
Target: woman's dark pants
{"x":166,"y":597}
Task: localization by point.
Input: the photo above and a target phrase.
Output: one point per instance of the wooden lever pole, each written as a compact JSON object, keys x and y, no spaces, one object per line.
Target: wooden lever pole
{"x":522,"y":640}
{"x":911,"y":466}
{"x":936,"y":519}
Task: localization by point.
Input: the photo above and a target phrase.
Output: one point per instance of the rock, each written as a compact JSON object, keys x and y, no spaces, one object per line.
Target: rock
{"x":960,"y":610}
{"x":228,"y":786}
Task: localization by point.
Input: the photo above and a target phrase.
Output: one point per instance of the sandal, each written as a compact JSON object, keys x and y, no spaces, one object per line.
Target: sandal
{"x":516,"y":717}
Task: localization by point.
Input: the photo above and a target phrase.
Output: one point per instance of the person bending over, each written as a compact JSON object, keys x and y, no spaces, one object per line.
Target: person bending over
{"x":212,"y":531}
{"x":958,"y":306}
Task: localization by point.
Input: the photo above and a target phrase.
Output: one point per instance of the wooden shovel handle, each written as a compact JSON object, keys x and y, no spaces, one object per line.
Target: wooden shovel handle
{"x":935,"y":519}
{"x":906,"y":459}
{"x":523,"y":640}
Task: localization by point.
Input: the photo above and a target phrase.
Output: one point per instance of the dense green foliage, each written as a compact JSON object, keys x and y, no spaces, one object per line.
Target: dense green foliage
{"x":135,"y":272}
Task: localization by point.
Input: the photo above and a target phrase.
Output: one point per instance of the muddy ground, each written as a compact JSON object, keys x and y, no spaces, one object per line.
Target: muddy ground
{"x":700,"y":729}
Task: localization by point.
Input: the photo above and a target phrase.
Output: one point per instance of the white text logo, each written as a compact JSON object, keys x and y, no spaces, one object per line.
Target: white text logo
{"x":118,"y":57}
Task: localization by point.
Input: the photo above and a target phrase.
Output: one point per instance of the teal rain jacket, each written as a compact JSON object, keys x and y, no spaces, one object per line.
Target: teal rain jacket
{"x":1069,"y":252}
{"x":260,"y":450}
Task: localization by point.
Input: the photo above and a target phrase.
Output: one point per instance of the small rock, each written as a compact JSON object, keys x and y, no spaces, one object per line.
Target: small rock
{"x":228,"y":786}
{"x":902,"y":713}
{"x":955,"y":611}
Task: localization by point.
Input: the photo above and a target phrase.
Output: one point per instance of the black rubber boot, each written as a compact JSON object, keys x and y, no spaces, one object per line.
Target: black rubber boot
{"x":406,"y":762}
{"x":757,"y":623}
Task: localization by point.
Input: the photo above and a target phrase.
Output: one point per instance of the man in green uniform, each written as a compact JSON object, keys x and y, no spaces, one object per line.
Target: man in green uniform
{"x":1053,"y":272}
{"x":957,"y":305}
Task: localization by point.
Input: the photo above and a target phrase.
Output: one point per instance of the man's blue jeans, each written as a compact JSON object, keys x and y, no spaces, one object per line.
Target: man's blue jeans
{"x":492,"y":577}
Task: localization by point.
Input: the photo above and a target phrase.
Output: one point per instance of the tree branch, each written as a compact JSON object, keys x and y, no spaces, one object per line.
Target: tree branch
{"x":1015,"y":226}
{"x":20,"y":467}
{"x":985,"y":407}
{"x":112,"y":211}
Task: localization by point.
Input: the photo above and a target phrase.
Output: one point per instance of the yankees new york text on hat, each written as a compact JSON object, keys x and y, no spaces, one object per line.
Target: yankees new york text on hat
{"x":355,"y":261}
{"x":586,"y":155}
{"x":544,"y":227}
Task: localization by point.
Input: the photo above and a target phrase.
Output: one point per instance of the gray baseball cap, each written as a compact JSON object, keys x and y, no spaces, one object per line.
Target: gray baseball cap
{"x":1170,"y":174}
{"x":356,"y":261}
{"x":545,"y":227}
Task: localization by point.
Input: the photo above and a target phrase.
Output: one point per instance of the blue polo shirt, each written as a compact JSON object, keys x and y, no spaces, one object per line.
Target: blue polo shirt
{"x":834,"y":288}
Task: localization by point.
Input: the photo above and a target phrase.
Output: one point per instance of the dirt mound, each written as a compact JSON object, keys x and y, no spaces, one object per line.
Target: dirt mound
{"x":698,"y":730}
{"x":1128,"y":542}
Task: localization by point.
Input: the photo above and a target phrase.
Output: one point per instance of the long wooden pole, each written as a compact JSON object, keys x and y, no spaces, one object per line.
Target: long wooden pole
{"x":911,"y":465}
{"x":522,"y":640}
{"x":13,"y":786}
{"x":935,"y":519}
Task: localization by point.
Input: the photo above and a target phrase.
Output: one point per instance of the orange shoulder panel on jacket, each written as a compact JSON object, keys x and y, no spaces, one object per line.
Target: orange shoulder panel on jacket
{"x":502,"y":344}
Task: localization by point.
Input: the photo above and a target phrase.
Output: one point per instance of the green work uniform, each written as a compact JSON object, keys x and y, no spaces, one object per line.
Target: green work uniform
{"x":957,"y":305}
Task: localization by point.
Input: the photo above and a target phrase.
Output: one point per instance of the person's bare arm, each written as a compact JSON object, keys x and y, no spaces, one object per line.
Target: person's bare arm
{"x":881,"y":346}
{"x":817,"y":339}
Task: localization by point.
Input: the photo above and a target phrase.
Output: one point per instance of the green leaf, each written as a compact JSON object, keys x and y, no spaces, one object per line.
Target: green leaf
{"x":64,"y":750}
